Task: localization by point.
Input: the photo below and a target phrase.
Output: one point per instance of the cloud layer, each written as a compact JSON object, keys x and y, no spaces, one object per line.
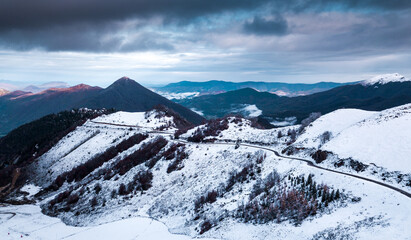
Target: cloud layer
{"x":257,"y":38}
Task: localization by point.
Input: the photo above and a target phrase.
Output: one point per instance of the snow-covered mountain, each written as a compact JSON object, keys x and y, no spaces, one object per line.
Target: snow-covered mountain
{"x":384,"y":79}
{"x":223,"y":180}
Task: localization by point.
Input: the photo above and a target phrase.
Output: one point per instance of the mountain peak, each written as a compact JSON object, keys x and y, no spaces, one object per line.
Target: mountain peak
{"x":125,"y":79}
{"x":3,"y":92}
{"x":81,"y":86}
{"x":384,"y":79}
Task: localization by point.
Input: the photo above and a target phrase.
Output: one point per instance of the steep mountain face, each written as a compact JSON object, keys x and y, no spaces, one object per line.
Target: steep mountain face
{"x":127,"y":95}
{"x":20,"y":107}
{"x":373,"y":97}
{"x":186,"y":88}
{"x":17,"y":108}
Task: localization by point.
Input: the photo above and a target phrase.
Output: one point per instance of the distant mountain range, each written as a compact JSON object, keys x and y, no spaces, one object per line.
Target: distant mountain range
{"x":22,"y":86}
{"x":185,"y":89}
{"x":19,"y":107}
{"x":45,"y":86}
{"x":381,"y":93}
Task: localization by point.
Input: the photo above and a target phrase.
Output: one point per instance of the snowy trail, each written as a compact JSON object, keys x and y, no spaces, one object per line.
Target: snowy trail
{"x":309,"y":163}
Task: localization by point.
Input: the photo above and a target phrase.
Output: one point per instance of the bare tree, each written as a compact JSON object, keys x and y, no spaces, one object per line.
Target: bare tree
{"x":325,"y":137}
{"x":304,"y":123}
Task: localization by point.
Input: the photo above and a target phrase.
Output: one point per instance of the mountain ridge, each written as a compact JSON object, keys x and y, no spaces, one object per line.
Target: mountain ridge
{"x":219,"y":86}
{"x":366,"y":97}
{"x":124,"y":94}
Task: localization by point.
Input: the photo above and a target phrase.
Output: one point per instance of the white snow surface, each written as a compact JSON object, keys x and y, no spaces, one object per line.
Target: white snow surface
{"x":140,"y":119}
{"x":252,"y":110}
{"x":182,"y":95}
{"x":334,"y":122}
{"x":31,"y":189}
{"x":27,"y":222}
{"x":382,"y":138}
{"x":384,"y":79}
{"x":197,"y":111}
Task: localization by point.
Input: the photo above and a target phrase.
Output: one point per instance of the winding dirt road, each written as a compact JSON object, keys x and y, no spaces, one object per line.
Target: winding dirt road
{"x":309,"y":162}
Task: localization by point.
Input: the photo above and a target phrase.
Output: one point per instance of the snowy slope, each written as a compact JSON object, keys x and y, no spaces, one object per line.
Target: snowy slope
{"x":384,"y":79}
{"x":381,"y":212}
{"x":141,"y":119}
{"x":382,"y":138}
{"x":334,"y":122}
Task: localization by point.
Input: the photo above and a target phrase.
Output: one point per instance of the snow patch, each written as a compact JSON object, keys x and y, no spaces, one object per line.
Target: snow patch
{"x":197,"y":111}
{"x":31,"y":189}
{"x":171,"y":95}
{"x":288,"y":121}
{"x":247,"y":110}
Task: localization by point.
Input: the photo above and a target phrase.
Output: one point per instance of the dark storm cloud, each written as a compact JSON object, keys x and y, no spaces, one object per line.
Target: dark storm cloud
{"x":83,"y":38}
{"x":23,"y":14}
{"x":97,"y":25}
{"x":260,"y":26}
{"x":94,"y":25}
{"x":18,"y":14}
{"x":384,"y":5}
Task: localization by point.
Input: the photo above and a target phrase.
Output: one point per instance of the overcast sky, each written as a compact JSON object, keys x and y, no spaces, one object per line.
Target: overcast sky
{"x":160,"y":41}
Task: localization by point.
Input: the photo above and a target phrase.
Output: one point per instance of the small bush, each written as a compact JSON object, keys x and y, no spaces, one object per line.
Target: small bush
{"x":205,"y":226}
{"x":122,"y":189}
{"x":319,"y":156}
{"x":97,"y":188}
{"x":73,"y":198}
{"x":325,"y":137}
{"x":177,"y":163}
{"x":142,"y":180}
{"x":93,"y":202}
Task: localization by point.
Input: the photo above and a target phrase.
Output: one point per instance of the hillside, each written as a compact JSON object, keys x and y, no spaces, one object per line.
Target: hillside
{"x":131,"y":165}
{"x":18,"y":107}
{"x":379,"y":138}
{"x":373,"y":97}
{"x":187,"y":89}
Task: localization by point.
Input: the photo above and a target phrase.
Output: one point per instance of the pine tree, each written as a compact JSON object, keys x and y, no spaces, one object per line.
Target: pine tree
{"x":331,"y":196}
{"x":314,"y":192}
{"x":324,"y":196}
{"x":309,"y":180}
{"x":337,"y":194}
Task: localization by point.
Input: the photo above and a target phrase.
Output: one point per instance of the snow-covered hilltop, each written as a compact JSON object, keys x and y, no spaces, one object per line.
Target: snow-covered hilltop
{"x":384,"y":79}
{"x":379,"y":138}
